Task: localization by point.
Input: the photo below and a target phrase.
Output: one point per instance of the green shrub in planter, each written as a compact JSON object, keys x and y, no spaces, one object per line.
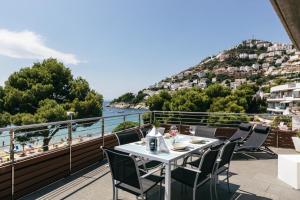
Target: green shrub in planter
{"x":125,"y":125}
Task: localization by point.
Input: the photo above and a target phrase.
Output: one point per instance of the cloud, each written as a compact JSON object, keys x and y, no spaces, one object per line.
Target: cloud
{"x":29,"y":45}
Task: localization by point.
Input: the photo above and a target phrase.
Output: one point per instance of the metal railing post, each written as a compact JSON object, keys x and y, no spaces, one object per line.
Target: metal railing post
{"x":12,"y":159}
{"x":139,"y":120}
{"x":180,"y":125}
{"x":277,"y":139}
{"x":102,"y":130}
{"x":102,"y":133}
{"x":154,"y":117}
{"x":151,"y":116}
{"x":70,"y":145}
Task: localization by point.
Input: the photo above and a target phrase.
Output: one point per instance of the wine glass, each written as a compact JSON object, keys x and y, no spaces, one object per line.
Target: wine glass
{"x":192,"y":130}
{"x":173,"y":127}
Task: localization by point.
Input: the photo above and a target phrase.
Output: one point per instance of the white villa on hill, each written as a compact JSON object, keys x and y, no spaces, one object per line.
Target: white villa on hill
{"x":284,"y":99}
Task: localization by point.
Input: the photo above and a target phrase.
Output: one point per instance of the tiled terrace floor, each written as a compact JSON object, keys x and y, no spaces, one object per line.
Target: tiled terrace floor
{"x":250,"y":179}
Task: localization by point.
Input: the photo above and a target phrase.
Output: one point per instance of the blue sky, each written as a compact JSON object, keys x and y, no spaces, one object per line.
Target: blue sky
{"x":127,"y":45}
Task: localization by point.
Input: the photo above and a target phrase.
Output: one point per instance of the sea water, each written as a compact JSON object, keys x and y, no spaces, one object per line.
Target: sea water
{"x":93,"y":130}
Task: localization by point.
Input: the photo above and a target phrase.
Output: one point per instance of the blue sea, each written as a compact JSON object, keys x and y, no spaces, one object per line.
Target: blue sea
{"x":91,"y":130}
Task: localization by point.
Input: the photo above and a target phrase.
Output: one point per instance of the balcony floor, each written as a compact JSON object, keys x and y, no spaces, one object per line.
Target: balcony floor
{"x":250,"y":179}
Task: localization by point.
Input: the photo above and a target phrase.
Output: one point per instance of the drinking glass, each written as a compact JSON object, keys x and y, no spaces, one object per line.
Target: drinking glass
{"x":192,"y":130}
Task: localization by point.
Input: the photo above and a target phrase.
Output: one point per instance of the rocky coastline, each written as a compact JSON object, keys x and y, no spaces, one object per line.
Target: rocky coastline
{"x":123,"y":105}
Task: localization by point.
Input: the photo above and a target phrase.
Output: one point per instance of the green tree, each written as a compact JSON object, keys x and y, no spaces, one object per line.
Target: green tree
{"x":127,"y":98}
{"x":44,"y":93}
{"x":4,"y":119}
{"x":226,"y":105}
{"x":245,"y":95}
{"x":1,"y":99}
{"x":159,"y":101}
{"x":139,"y":97}
{"x":190,"y":100}
{"x":217,"y":90}
{"x":79,"y":88}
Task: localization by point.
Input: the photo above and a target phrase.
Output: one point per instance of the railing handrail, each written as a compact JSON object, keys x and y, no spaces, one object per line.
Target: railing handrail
{"x":15,"y":128}
{"x":221,"y":113}
{"x":30,"y":126}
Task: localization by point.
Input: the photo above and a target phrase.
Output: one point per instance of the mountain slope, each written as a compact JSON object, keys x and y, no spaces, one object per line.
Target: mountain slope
{"x":252,"y":61}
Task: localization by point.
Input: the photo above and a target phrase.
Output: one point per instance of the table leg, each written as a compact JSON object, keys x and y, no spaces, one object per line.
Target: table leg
{"x":168,"y":181}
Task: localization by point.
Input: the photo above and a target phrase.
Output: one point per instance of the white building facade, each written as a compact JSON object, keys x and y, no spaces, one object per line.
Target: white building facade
{"x":284,"y":99}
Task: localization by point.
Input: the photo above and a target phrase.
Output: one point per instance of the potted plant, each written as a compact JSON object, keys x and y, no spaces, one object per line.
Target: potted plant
{"x":296,"y":141}
{"x":156,"y":124}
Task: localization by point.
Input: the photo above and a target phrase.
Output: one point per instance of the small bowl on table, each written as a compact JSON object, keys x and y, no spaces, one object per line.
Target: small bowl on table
{"x":197,"y":140}
{"x":179,"y":146}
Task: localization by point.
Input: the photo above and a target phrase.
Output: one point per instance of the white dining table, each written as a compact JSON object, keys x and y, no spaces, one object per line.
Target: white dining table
{"x":139,"y":150}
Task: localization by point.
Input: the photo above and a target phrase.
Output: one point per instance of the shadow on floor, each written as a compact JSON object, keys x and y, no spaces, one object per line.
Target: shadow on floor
{"x":73,"y":184}
{"x":203,"y":193}
{"x":254,"y":156}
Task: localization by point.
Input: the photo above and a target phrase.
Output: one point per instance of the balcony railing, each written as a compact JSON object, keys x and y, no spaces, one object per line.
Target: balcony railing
{"x":70,"y":132}
{"x":60,"y":134}
{"x":217,"y":119}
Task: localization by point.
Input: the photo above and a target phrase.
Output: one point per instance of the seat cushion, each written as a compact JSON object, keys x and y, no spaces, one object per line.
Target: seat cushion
{"x":245,"y":126}
{"x":187,"y":177}
{"x":261,"y":129}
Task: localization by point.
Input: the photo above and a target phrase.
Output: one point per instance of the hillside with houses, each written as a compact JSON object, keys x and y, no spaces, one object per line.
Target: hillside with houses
{"x":252,"y":61}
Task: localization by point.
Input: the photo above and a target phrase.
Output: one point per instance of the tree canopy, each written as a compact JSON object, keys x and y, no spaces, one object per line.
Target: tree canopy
{"x":189,"y":100}
{"x":215,"y":98}
{"x":129,"y":97}
{"x":44,"y":93}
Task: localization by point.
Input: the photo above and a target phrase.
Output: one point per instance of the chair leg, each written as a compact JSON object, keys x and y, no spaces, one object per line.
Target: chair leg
{"x":228,"y":181}
{"x":215,"y":183}
{"x":194,"y":193}
{"x":144,"y":197}
{"x":160,"y":188}
{"x":210,"y":189}
{"x":249,"y":156}
{"x":114,"y":193}
{"x":117,"y":194}
{"x":268,"y":150}
{"x":181,"y":190}
{"x":217,"y":179}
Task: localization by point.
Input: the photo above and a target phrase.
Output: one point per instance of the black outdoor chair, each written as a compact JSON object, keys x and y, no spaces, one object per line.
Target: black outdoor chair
{"x":205,"y":131}
{"x":242,"y":133}
{"x":255,"y":142}
{"x":128,"y":177}
{"x":195,"y":178}
{"x":224,"y":161}
{"x":144,"y":130}
{"x":195,"y":163}
{"x":128,"y":136}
